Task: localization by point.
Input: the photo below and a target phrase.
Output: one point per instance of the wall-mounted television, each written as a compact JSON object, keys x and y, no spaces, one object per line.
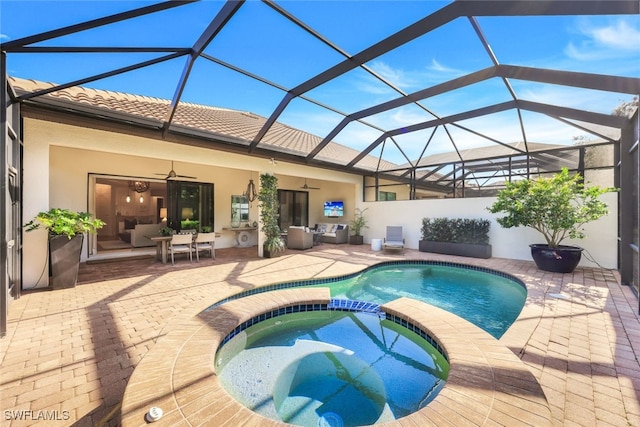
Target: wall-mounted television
{"x":334,"y":209}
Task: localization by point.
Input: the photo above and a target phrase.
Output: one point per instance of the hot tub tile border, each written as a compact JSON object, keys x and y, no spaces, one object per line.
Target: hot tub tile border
{"x":336,"y":304}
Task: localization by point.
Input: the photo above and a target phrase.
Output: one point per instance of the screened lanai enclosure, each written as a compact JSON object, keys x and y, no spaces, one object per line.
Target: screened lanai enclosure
{"x":435,"y":100}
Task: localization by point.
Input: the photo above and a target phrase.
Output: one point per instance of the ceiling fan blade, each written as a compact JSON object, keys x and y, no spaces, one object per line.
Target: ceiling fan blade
{"x":306,"y":187}
{"x":172,"y":174}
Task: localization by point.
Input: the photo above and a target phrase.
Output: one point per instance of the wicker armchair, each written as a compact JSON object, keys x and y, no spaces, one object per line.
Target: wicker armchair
{"x":298,"y":238}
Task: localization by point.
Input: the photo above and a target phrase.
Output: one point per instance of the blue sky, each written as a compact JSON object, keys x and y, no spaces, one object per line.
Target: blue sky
{"x":264,"y":43}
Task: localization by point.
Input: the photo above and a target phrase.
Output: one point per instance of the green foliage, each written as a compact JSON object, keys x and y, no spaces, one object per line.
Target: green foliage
{"x":63,"y":222}
{"x":557,"y":207}
{"x":359,"y":222}
{"x":189,"y":224}
{"x":167,"y":231}
{"x":269,"y":206}
{"x":456,"y":230}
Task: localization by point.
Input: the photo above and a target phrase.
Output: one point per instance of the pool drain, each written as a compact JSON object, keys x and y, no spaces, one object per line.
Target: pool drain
{"x":330,"y":419}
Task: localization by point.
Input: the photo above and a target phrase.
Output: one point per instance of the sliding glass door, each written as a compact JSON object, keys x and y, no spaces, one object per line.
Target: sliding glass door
{"x":294,"y":208}
{"x":189,"y":205}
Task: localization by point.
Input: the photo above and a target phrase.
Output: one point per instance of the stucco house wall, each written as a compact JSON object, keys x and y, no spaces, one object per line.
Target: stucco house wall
{"x":600,"y":244}
{"x":59,"y":159}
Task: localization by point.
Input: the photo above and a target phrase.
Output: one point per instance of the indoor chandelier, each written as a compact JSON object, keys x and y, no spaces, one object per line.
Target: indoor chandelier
{"x":139,"y":186}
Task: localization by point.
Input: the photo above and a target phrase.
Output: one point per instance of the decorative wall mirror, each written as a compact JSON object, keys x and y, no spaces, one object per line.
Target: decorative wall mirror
{"x":239,"y":211}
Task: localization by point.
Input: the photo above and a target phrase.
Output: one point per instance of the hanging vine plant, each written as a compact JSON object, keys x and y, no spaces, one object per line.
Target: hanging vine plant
{"x":269,"y":207}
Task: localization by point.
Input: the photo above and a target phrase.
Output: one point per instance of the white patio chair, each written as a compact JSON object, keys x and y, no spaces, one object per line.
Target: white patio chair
{"x":181,"y":244}
{"x":394,"y":239}
{"x":205,"y":242}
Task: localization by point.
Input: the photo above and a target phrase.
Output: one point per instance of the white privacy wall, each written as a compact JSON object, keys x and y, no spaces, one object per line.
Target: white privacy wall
{"x":600,"y":244}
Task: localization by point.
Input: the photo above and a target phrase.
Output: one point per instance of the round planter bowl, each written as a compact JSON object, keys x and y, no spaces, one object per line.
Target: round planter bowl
{"x":563,"y":259}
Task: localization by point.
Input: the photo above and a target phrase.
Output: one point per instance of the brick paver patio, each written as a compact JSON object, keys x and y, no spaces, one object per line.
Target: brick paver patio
{"x":68,"y":354}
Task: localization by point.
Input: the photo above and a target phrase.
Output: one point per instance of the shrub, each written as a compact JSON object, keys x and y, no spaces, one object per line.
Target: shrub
{"x":456,"y":230}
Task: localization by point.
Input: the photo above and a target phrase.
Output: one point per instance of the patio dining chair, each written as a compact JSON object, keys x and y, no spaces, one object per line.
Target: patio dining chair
{"x":205,"y":242}
{"x":181,"y":244}
{"x":394,"y":238}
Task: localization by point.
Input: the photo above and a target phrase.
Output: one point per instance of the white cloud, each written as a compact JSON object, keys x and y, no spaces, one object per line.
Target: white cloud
{"x":618,"y":38}
{"x":620,"y":35}
{"x":4,"y":37}
{"x":414,"y":79}
{"x":438,"y":67}
{"x":396,"y":76}
{"x":404,"y":117}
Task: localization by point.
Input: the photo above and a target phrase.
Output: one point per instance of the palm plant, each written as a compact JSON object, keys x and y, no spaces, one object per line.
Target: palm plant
{"x":359,"y":222}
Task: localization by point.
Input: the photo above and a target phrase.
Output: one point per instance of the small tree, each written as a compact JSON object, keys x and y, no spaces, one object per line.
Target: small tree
{"x":557,"y":207}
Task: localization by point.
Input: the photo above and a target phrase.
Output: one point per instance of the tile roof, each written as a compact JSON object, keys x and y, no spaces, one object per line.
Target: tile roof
{"x":240,"y":126}
{"x":490,"y":151}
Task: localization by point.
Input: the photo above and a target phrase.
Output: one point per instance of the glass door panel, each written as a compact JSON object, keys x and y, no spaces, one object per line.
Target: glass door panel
{"x":294,"y":208}
{"x":190,"y":205}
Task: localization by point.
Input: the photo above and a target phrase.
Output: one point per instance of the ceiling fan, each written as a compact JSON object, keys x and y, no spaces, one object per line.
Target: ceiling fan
{"x":306,"y":187}
{"x":172,"y":174}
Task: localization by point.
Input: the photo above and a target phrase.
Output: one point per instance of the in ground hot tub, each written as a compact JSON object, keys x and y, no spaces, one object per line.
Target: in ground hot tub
{"x":331,"y":368}
{"x":179,"y":375}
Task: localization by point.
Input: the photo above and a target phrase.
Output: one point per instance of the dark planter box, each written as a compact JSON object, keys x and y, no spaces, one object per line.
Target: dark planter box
{"x":64,"y":260}
{"x":356,"y":240}
{"x":460,"y":249}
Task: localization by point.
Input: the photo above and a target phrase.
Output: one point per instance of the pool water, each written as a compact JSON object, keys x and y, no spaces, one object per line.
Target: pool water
{"x":490,"y":301}
{"x":331,"y":368}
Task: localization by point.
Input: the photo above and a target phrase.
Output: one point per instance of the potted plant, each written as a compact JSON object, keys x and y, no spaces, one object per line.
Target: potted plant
{"x":358,"y":224}
{"x":268,"y":198}
{"x":166,"y":231}
{"x":456,"y":236}
{"x":66,"y":233}
{"x":557,"y":207}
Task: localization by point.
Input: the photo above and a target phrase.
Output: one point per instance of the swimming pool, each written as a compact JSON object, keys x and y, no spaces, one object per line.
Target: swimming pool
{"x":331,"y":368}
{"x":488,"y":298}
{"x":319,"y":360}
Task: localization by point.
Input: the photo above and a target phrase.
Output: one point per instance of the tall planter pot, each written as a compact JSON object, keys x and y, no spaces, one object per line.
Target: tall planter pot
{"x":64,"y":260}
{"x":266,"y":253}
{"x":472,"y":250}
{"x":563,"y":259}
